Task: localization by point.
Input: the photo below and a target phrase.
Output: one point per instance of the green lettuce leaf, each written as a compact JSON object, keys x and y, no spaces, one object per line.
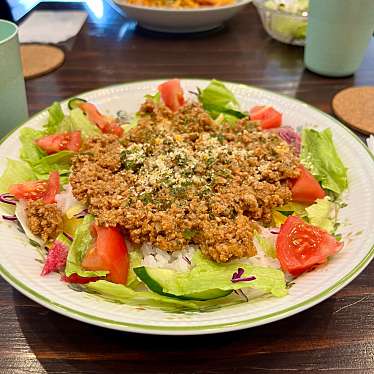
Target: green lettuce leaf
{"x":277,"y":218}
{"x":217,"y":99}
{"x":135,"y":261}
{"x":64,"y":179}
{"x":289,"y":27}
{"x":75,"y":121}
{"x":319,"y":155}
{"x":322,"y":214}
{"x":15,"y":172}
{"x":64,"y":240}
{"x":122,"y":294}
{"x":207,"y":274}
{"x":66,"y":125}
{"x":81,"y":243}
{"x":156,"y":98}
{"x":225,"y":118}
{"x":266,"y":244}
{"x":79,"y":122}
{"x":42,"y":164}
{"x":292,"y":208}
{"x":56,"y":115}
{"x":30,"y":152}
{"x":133,"y":123}
{"x":59,"y":161}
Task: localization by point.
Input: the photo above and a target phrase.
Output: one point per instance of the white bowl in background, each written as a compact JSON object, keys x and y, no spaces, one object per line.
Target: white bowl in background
{"x":181,"y":20}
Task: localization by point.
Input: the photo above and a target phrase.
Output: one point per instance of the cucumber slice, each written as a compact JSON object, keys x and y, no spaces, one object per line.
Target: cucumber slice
{"x":75,"y":102}
{"x":154,"y":278}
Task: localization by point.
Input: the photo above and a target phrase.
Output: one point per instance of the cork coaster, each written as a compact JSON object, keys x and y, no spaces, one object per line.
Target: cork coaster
{"x":355,"y":107}
{"x":40,"y":59}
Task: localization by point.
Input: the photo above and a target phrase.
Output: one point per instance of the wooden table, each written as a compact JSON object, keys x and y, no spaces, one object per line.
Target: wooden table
{"x":334,"y":336}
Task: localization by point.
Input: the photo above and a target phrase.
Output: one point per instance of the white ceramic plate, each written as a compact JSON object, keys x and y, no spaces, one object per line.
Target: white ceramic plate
{"x":181,"y":20}
{"x":19,"y":268}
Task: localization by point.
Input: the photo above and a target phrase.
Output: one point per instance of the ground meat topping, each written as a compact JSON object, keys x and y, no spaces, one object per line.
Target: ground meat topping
{"x":180,"y":178}
{"x":44,"y":220}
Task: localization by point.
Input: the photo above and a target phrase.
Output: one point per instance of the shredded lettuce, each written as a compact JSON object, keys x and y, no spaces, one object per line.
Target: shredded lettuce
{"x":292,"y":208}
{"x":16,"y":171}
{"x":56,"y":115}
{"x":41,"y":163}
{"x":278,"y":218}
{"x":319,"y":155}
{"x":79,"y":122}
{"x":59,"y":161}
{"x":207,"y":274}
{"x":122,"y":294}
{"x":30,"y":152}
{"x":266,"y":244}
{"x":218,"y":100}
{"x":78,"y":249}
{"x":64,"y":240}
{"x":135,"y":261}
{"x":133,"y":123}
{"x":66,"y":125}
{"x":75,"y":121}
{"x":322,"y":214}
{"x":75,"y":209}
{"x":70,"y":225}
{"x":155,"y":98}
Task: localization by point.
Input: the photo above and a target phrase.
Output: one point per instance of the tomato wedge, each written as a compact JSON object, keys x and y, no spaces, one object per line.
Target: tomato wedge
{"x":70,"y":141}
{"x":31,"y":190}
{"x":172,"y":94}
{"x":269,"y":117}
{"x":53,"y":188}
{"x":75,"y":141}
{"x":306,"y":188}
{"x":34,"y":190}
{"x":108,"y":253}
{"x":301,"y":246}
{"x":102,"y":122}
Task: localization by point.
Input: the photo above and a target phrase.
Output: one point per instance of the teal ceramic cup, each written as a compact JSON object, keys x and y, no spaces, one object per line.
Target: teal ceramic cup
{"x":338,"y":35}
{"x":13,"y":104}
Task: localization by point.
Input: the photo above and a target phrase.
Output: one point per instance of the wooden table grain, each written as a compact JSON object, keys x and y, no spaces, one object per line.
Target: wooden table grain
{"x":336,"y":336}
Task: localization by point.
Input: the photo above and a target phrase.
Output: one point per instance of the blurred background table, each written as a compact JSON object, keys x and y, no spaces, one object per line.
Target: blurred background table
{"x":336,"y":336}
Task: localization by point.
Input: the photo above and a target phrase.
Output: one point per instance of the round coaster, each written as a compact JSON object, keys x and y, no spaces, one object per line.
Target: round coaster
{"x":40,"y":59}
{"x":355,"y":107}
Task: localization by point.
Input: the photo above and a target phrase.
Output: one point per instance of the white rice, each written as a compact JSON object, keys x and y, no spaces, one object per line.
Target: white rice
{"x":157,"y":258}
{"x":261,"y":259}
{"x":181,"y":260}
{"x":65,"y":199}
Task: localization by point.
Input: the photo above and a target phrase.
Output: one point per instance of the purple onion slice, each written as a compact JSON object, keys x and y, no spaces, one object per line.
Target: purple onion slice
{"x":68,"y":236}
{"x":275,"y":230}
{"x":290,"y":136}
{"x":81,"y":214}
{"x":7,"y":198}
{"x":12,"y":218}
{"x":237,"y":277}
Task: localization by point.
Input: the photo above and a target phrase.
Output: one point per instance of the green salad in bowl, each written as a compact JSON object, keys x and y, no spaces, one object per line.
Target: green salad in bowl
{"x":284,"y":20}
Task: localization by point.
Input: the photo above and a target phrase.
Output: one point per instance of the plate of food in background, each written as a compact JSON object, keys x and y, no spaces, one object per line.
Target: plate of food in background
{"x":183,"y":207}
{"x":181,"y":16}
